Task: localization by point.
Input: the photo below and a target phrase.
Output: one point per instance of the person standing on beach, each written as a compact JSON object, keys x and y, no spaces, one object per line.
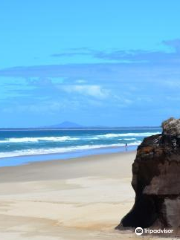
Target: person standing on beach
{"x":126,"y":146}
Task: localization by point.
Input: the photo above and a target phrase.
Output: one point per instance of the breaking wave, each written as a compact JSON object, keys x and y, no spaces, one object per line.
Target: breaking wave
{"x":43,"y":151}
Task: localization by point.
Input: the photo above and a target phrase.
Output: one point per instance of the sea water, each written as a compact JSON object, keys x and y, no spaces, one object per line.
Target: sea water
{"x":22,"y":146}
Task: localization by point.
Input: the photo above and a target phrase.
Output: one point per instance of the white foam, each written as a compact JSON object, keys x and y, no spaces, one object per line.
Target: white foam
{"x":68,"y":138}
{"x":128,"y":139}
{"x":114,"y":135}
{"x":38,"y":139}
{"x":43,"y":151}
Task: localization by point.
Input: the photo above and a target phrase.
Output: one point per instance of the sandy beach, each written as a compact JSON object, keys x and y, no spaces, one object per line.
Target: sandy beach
{"x":82,"y":198}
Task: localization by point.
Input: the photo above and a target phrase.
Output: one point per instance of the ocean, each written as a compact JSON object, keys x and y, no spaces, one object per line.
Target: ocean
{"x":23,"y":146}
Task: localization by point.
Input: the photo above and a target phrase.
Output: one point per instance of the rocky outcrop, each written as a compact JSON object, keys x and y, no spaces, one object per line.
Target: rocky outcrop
{"x":156,"y":181}
{"x":171,"y":127}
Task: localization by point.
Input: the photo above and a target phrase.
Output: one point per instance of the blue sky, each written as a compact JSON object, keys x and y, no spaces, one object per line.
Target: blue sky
{"x":105,"y":62}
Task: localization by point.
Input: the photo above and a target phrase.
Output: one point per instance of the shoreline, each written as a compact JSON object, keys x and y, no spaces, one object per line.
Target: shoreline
{"x":91,"y":160}
{"x":25,"y":159}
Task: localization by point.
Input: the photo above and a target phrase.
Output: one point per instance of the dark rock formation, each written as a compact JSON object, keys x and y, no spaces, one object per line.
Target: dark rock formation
{"x":156,"y":181}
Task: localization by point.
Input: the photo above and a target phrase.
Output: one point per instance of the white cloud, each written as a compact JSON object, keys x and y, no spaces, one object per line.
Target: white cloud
{"x":95,"y":91}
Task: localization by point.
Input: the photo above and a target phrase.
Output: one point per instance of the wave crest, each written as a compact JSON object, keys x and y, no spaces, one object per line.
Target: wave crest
{"x":38,"y":139}
{"x":43,"y":151}
{"x":114,"y":135}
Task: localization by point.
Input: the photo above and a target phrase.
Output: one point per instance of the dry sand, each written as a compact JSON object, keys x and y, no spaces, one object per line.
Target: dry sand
{"x":77,"y":199}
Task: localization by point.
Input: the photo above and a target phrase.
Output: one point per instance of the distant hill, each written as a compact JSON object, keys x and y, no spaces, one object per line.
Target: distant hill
{"x":72,"y":125}
{"x":66,"y":125}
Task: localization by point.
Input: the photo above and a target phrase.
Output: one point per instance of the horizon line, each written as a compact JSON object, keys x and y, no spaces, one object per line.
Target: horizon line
{"x":73,"y":128}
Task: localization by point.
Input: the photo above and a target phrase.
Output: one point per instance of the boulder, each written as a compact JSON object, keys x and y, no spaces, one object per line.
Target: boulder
{"x":156,"y":181}
{"x":171,"y":127}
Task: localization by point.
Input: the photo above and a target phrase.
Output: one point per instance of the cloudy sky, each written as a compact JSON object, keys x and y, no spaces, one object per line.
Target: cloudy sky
{"x":94,"y":62}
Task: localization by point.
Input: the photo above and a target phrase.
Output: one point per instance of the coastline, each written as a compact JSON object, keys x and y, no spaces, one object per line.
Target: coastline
{"x":89,"y":165}
{"x":84,"y":198}
{"x":25,"y":159}
{"x":21,"y":147}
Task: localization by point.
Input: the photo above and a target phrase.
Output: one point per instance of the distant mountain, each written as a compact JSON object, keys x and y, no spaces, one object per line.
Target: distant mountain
{"x":72,"y":125}
{"x":66,"y":124}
